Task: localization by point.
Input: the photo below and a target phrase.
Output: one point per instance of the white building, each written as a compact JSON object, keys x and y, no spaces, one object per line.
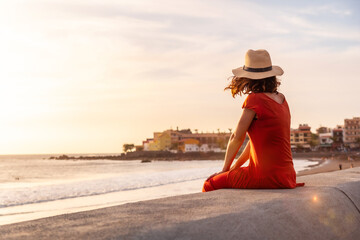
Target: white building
{"x":217,"y":149}
{"x":204,"y":148}
{"x":146,"y":145}
{"x":191,"y":148}
{"x":325,"y":139}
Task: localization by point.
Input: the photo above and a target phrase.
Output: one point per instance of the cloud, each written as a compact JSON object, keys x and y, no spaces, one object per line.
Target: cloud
{"x":326,"y":10}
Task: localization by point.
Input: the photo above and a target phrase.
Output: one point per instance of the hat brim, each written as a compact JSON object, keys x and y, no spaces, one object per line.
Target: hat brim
{"x":275,"y":71}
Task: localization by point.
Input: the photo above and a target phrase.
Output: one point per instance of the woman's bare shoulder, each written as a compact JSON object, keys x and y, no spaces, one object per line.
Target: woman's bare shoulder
{"x":281,"y":95}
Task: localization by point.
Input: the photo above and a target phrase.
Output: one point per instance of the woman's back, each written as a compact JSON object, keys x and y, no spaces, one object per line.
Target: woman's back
{"x":271,"y":163}
{"x":266,"y":119}
{"x":270,"y":133}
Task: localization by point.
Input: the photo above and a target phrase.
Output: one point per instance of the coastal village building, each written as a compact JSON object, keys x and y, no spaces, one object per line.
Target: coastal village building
{"x":331,"y":139}
{"x":204,"y":148}
{"x":189,"y":145}
{"x":338,"y":137}
{"x":146,"y":144}
{"x":213,"y":140}
{"x":352,"y":132}
{"x":185,"y":140}
{"x":174,"y":140}
{"x":323,"y":130}
{"x":325,"y":140}
{"x":301,"y":137}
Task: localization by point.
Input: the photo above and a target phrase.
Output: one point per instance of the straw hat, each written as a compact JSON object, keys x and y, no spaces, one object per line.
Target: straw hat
{"x":257,"y":66}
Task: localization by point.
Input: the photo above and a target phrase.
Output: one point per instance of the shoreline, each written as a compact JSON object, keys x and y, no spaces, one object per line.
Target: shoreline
{"x":325,"y":161}
{"x":169,"y":156}
{"x":328,"y":165}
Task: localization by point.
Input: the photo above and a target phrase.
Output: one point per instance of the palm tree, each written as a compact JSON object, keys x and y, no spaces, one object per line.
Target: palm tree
{"x":230,"y":129}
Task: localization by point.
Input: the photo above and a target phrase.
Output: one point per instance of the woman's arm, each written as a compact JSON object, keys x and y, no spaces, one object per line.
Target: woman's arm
{"x":237,"y":137}
{"x":243,"y":157}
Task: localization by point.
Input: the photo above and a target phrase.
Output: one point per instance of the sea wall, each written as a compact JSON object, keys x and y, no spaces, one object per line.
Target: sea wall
{"x":327,"y":207}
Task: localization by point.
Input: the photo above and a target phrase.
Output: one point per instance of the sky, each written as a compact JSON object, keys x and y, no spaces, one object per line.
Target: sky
{"x":89,"y":76}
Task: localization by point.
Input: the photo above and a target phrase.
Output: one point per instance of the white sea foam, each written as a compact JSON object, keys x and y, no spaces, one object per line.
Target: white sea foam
{"x":57,"y":180}
{"x":42,"y":193}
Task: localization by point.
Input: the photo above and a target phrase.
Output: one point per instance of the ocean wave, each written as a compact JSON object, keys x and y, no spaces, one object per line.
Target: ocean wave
{"x":44,"y":193}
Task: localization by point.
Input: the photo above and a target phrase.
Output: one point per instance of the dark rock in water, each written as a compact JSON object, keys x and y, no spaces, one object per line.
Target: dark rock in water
{"x":145,"y":161}
{"x":63,"y":157}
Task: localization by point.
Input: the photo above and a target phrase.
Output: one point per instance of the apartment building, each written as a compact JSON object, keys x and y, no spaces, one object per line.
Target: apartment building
{"x":338,"y":137}
{"x":352,"y":132}
{"x":300,"y":137}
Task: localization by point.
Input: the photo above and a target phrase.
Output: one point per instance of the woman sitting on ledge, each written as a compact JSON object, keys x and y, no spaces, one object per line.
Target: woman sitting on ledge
{"x":266,"y":119}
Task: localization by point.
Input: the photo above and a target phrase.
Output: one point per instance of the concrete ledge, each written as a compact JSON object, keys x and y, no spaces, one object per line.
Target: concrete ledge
{"x":326,"y":208}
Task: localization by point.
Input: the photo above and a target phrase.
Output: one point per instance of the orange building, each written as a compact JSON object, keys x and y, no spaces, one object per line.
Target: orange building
{"x":300,"y":137}
{"x":189,"y":145}
{"x":172,"y":139}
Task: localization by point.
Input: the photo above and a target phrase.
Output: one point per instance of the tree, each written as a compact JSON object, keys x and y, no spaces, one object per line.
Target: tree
{"x":314,"y":140}
{"x":128,"y":147}
{"x":230,"y":129}
{"x":313,"y":143}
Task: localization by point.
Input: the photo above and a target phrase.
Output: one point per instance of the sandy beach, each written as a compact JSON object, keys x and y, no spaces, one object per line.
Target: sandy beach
{"x":329,"y":163}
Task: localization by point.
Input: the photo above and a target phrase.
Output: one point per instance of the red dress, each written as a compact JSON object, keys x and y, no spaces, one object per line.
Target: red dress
{"x":270,"y":164}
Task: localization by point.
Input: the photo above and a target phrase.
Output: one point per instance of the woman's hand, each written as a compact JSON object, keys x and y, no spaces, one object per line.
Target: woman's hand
{"x":213,"y":175}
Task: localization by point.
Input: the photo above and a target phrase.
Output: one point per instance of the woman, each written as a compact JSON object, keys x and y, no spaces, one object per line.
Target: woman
{"x":266,"y":119}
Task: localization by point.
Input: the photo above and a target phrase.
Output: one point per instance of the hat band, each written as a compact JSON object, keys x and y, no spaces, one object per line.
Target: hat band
{"x":249,"y":69}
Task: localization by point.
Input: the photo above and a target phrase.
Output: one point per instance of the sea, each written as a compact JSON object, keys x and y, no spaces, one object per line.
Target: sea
{"x":33,"y":186}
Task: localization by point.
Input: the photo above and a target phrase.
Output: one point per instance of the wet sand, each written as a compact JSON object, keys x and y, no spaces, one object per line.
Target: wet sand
{"x":322,"y":165}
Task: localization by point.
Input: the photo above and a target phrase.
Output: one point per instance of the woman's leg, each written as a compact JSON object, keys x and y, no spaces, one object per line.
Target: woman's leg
{"x":217,"y":182}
